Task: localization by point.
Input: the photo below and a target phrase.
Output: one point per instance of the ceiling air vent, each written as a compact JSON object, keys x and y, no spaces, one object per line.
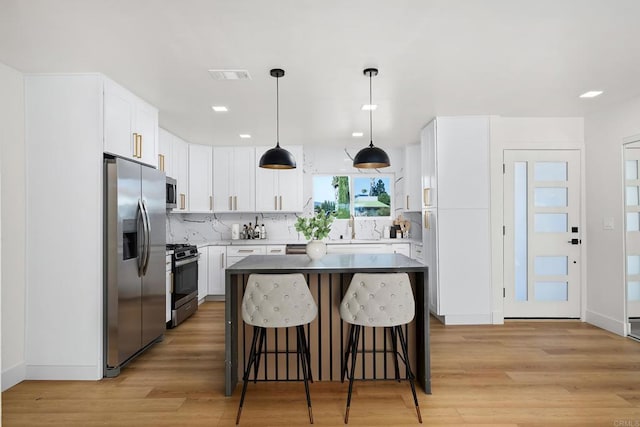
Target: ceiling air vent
{"x":230,"y":74}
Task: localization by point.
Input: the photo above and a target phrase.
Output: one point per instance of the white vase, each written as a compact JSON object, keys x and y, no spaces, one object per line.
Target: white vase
{"x":316,"y":249}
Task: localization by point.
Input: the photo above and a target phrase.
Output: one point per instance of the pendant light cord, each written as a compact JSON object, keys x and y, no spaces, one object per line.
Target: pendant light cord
{"x":277,"y":113}
{"x":370,"y":114}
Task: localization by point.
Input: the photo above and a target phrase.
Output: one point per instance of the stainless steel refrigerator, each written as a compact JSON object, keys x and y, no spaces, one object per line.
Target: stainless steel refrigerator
{"x":134,"y":279}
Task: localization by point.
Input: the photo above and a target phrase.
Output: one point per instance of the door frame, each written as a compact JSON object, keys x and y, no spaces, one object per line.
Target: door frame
{"x":627,"y":140}
{"x":497,"y":219}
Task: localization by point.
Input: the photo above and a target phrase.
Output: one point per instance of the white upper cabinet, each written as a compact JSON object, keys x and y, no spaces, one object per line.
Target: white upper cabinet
{"x":429,"y":170}
{"x":174,"y":153}
{"x":200,"y":178}
{"x":130,"y":125}
{"x":165,"y":158}
{"x":234,"y":179}
{"x":412,"y":178}
{"x":462,"y":157}
{"x":279,"y":190}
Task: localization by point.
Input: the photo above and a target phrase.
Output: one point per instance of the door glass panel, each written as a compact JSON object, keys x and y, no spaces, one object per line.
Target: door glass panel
{"x":520,"y":230}
{"x":550,"y":223}
{"x":551,"y":291}
{"x":633,"y":265}
{"x":633,"y":291}
{"x":631,"y":169}
{"x":550,"y":266}
{"x":550,"y":171}
{"x":550,"y":197}
{"x":632,"y":196}
{"x":633,"y":221}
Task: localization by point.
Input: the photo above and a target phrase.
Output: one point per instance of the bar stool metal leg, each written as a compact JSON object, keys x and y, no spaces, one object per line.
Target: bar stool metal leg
{"x":305,"y":368}
{"x":354,"y":353}
{"x":394,"y":343}
{"x":261,"y":346}
{"x":307,"y":354}
{"x":347,"y":353}
{"x":405,"y":352}
{"x":245,"y":378}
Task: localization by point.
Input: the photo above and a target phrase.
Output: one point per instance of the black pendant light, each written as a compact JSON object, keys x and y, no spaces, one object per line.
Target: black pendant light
{"x":371,"y":157}
{"x":276,"y":157}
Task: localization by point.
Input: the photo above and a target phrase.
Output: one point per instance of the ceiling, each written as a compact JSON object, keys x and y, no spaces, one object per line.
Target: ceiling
{"x":436,"y":57}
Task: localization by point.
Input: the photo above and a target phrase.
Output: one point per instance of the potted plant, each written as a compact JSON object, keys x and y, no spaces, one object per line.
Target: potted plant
{"x":315,"y":229}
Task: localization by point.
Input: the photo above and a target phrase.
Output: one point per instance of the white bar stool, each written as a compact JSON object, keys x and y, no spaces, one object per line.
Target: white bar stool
{"x":277,"y":301}
{"x":378,"y":300}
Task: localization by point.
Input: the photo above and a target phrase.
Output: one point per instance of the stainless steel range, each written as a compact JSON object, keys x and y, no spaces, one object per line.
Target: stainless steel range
{"x":184,"y":292}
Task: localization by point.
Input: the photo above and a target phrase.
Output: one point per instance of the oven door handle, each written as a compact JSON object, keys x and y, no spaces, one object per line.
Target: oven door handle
{"x":189,"y":260}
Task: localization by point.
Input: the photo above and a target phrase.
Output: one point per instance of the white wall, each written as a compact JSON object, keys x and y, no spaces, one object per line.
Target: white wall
{"x":523,"y":133}
{"x":64,"y":261}
{"x":604,"y":132}
{"x":12,"y":168}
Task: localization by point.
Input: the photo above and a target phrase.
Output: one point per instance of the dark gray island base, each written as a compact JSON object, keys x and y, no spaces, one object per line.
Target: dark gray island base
{"x":328,"y":278}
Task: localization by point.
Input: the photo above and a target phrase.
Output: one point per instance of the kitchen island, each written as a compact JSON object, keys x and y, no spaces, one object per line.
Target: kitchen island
{"x":328,"y":278}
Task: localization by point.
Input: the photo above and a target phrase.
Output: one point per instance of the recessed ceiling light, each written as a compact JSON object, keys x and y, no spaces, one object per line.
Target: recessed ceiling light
{"x":367,"y":107}
{"x":591,"y":94}
{"x":245,"y":136}
{"x":219,"y":108}
{"x":220,"y":74}
{"x":357,"y":134}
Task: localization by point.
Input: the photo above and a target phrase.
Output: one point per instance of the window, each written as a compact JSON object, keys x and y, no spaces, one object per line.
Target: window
{"x":360,"y":196}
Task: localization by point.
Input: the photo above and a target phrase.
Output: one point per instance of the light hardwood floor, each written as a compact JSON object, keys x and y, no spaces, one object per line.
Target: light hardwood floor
{"x":550,"y":373}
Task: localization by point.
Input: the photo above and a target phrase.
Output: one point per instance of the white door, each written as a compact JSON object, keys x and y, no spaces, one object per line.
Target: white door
{"x":542,"y":233}
{"x":632,"y":227}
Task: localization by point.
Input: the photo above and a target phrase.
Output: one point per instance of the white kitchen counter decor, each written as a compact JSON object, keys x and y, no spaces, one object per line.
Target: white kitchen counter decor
{"x":316,"y":249}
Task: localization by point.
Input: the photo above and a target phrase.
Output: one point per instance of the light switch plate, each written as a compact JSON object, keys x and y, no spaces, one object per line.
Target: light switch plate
{"x":607,"y":223}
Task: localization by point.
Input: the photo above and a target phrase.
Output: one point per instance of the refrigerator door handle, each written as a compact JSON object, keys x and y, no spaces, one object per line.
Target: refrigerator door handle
{"x":143,"y":255}
{"x":147,"y":238}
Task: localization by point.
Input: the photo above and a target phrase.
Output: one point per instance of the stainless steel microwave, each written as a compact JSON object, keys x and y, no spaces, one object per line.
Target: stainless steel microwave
{"x":172,"y":193}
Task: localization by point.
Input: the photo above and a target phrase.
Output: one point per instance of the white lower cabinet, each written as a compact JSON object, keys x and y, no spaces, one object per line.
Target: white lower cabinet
{"x":402,"y":248}
{"x":169,"y":285}
{"x":217,"y":255}
{"x":203,"y":273}
{"x":276,"y":249}
{"x":417,"y":252}
{"x":236,"y":253}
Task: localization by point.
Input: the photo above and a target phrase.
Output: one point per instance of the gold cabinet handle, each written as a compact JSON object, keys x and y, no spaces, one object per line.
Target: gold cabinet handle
{"x":407,"y":201}
{"x":235,"y":203}
{"x":182,"y":200}
{"x":221,"y":260}
{"x":210,"y":203}
{"x":140,"y":145}
{"x":230,"y":203}
{"x":425,"y":196}
{"x":171,"y":279}
{"x":161,"y":162}
{"x":135,"y":144}
{"x":280,"y":202}
{"x":427,"y":226}
{"x":275,"y":203}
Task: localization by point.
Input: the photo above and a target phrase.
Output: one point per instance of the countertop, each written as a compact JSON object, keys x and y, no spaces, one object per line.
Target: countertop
{"x":328,"y":263}
{"x":302,"y":242}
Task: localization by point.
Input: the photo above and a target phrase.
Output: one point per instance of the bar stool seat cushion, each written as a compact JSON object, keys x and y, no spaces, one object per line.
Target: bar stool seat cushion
{"x":378,"y":300}
{"x":278,"y":301}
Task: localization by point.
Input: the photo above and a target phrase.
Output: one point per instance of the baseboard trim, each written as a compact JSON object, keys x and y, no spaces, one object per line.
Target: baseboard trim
{"x":467,"y":319}
{"x":39,"y":372}
{"x":605,"y":322}
{"x":14,"y":375}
